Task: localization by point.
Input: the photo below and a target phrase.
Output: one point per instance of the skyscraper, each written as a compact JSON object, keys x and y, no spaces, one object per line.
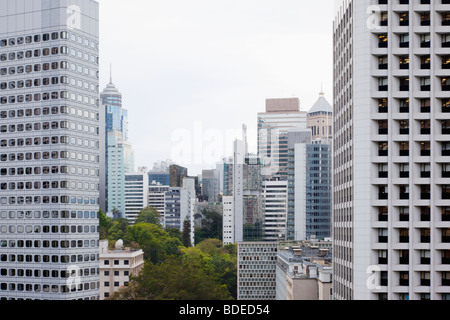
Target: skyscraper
{"x":275,"y":196}
{"x":280,"y":116}
{"x":210,"y":185}
{"x":118,"y":154}
{"x":390,"y":221}
{"x":49,"y":105}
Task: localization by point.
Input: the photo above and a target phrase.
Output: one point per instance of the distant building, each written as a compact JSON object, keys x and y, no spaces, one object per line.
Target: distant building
{"x":160,"y":173}
{"x":303,"y":273}
{"x":210,"y":185}
{"x":172,"y":209}
{"x":297,"y":172}
{"x":177,"y":173}
{"x":320,"y":119}
{"x":273,"y":125}
{"x":136,"y":193}
{"x":118,"y":157}
{"x":310,"y":186}
{"x":318,"y":189}
{"x":120,"y":161}
{"x":187,"y":205}
{"x":228,"y":220}
{"x":156,"y":198}
{"x":275,"y":203}
{"x":257,"y":270}
{"x":227,"y":176}
{"x":116,"y":267}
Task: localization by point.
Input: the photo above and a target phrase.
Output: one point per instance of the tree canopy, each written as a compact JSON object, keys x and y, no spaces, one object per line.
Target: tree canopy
{"x":191,"y":275}
{"x":173,"y":270}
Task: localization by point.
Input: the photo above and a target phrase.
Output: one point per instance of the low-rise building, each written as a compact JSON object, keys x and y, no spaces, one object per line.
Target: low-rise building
{"x":116,"y":266}
{"x":304,"y":272}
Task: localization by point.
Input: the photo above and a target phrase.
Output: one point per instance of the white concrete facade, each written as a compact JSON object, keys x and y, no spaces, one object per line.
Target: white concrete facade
{"x":390,"y":184}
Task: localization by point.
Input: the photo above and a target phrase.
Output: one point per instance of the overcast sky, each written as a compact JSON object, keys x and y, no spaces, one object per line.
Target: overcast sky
{"x":193,"y":71}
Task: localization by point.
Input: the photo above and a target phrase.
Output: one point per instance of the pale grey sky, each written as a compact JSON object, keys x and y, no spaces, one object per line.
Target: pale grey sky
{"x":193,"y":71}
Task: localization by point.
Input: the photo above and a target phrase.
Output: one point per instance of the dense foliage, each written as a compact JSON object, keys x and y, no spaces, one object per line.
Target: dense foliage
{"x":173,"y":270}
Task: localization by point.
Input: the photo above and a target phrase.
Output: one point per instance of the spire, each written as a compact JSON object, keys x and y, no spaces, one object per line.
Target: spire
{"x":321,"y":93}
{"x":110,"y":73}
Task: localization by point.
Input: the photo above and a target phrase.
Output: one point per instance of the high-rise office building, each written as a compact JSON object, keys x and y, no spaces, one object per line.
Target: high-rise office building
{"x":156,"y":195}
{"x":172,"y":209}
{"x":160,"y":173}
{"x":119,"y":162}
{"x":297,"y":173}
{"x":136,"y":193}
{"x":49,"y":105}
{"x":243,"y":218}
{"x":280,"y":116}
{"x":275,"y":203}
{"x":318,"y":189}
{"x":391,"y":187}
{"x":187,"y":205}
{"x":210,"y":185}
{"x":118,"y":154}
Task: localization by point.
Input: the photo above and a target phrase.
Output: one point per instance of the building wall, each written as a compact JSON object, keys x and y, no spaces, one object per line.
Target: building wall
{"x":136,"y":194}
{"x":46,"y":206}
{"x":388,"y":179}
{"x":228,"y":220}
{"x":281,"y":115}
{"x":318,"y":189}
{"x":116,"y":267}
{"x":257,"y":270}
{"x":274,"y":195}
{"x":302,"y":289}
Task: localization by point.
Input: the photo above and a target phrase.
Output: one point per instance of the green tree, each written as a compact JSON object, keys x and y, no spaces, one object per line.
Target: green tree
{"x":118,"y":229}
{"x":186,"y":234}
{"x":224,"y":260}
{"x":149,"y":215}
{"x":188,"y":276}
{"x":156,"y":243}
{"x":105,"y":224}
{"x":211,"y":226}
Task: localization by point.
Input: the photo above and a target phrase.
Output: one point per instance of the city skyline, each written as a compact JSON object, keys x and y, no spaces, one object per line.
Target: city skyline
{"x":211,"y":61}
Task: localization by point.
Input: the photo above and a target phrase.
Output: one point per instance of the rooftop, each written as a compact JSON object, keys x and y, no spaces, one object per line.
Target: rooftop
{"x":322,"y":105}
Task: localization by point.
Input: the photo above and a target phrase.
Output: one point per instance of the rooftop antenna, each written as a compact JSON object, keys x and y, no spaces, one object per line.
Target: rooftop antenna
{"x":110,"y":73}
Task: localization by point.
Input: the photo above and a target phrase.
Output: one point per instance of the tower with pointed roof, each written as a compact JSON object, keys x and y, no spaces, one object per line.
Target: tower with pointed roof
{"x":320,"y":118}
{"x":119,"y":155}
